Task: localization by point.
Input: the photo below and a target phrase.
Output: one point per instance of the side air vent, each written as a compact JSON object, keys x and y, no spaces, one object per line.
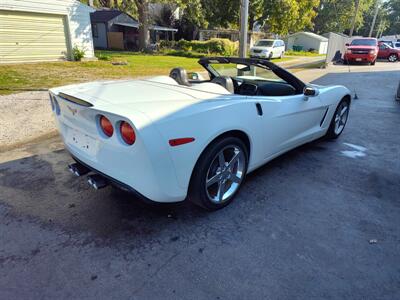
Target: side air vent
{"x":323,"y":118}
{"x":74,"y":100}
{"x":259,"y":109}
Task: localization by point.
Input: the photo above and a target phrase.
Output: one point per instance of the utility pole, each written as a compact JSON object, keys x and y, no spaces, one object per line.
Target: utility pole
{"x":355,"y":17}
{"x":374,"y":19}
{"x":244,"y":17}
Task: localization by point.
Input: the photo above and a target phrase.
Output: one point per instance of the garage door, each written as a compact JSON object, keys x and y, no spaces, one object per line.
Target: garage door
{"x":31,"y":37}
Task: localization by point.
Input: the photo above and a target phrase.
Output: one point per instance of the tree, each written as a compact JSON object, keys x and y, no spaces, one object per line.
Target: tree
{"x":337,"y":15}
{"x":193,"y":18}
{"x":391,"y":17}
{"x":298,"y":15}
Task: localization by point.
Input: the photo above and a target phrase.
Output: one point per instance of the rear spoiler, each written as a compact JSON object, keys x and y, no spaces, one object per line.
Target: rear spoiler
{"x":74,"y":100}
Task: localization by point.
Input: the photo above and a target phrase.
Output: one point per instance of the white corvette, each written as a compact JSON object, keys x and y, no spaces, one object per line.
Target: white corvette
{"x":168,"y":139}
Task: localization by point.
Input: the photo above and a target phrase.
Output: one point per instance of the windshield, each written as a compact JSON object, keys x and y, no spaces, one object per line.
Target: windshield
{"x":363,"y":42}
{"x":264,"y":43}
{"x":251,"y":72}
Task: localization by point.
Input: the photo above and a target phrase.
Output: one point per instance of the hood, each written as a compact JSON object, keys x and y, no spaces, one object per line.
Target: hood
{"x":123,"y":92}
{"x":261,"y":48}
{"x":154,"y":99}
{"x":361,"y":47}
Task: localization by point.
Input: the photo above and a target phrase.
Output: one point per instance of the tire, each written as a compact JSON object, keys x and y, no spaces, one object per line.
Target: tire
{"x":209,"y":178}
{"x":392,"y":58}
{"x":373,"y":63}
{"x":335,"y":129}
{"x":281,"y":54}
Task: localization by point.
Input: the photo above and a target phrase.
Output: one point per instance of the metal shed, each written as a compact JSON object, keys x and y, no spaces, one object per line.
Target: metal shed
{"x":308,"y":41}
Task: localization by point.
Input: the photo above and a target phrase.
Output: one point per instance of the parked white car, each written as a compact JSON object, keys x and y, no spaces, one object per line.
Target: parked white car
{"x":268,"y":49}
{"x":168,"y":139}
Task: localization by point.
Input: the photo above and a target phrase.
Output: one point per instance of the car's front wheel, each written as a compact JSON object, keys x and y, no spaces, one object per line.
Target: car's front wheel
{"x":219,"y":173}
{"x":339,"y":119}
{"x":392,"y":58}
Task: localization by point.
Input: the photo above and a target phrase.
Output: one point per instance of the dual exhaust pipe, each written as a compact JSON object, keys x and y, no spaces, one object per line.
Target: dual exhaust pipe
{"x":96,"y":181}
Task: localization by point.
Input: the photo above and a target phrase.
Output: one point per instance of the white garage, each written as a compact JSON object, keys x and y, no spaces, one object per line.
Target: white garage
{"x":43,"y":30}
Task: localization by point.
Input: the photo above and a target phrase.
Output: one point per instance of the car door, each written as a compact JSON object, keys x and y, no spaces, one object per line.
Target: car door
{"x":275,"y":49}
{"x":290,"y":121}
{"x":383,"y":51}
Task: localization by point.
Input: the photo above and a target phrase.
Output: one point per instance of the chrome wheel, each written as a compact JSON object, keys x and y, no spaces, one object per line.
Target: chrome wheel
{"x":225,"y":174}
{"x":392,"y":58}
{"x":341,"y":117}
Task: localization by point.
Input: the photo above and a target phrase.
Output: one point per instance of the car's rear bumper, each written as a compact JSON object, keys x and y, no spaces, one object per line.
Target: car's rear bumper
{"x":145,"y":167}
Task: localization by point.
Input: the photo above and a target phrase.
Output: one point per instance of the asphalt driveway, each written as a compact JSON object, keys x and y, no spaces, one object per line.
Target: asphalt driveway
{"x":323,"y":221}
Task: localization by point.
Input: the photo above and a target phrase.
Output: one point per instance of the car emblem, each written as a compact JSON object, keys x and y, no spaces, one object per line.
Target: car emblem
{"x":72,"y":110}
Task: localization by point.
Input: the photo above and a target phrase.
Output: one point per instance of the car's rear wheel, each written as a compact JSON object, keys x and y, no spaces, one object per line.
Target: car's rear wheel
{"x":281,"y":54}
{"x":392,"y":58}
{"x":339,"y":119}
{"x":219,"y":173}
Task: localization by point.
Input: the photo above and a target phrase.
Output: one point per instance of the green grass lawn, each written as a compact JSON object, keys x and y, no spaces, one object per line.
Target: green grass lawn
{"x":36,"y":76}
{"x":302,"y":53}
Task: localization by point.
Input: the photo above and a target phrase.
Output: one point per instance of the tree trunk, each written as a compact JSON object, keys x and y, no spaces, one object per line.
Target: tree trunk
{"x":144,"y":36}
{"x":116,"y":4}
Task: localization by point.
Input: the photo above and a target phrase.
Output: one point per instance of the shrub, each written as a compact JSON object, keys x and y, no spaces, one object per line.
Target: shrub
{"x":102,"y":56}
{"x":167,"y":44}
{"x":223,"y":47}
{"x":78,"y":53}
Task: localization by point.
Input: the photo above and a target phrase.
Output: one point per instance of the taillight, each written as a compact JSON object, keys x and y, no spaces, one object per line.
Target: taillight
{"x":127,"y":133}
{"x":106,"y":126}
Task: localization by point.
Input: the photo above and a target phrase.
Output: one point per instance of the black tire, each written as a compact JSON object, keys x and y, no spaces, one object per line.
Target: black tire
{"x":331,"y":134}
{"x":373,"y":63}
{"x":281,"y":55}
{"x":198,"y":193}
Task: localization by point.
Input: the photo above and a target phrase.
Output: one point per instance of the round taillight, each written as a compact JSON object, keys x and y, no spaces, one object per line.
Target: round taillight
{"x":127,"y":133}
{"x":106,"y":126}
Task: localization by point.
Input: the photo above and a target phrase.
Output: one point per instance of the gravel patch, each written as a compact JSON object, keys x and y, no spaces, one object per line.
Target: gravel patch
{"x":25,"y":117}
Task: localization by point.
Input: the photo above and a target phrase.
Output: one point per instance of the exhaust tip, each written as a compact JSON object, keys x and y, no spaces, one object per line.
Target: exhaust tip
{"x":97,"y":181}
{"x":78,"y":169}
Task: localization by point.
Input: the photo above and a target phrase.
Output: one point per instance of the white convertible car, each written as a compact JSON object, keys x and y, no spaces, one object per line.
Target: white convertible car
{"x":168,"y":139}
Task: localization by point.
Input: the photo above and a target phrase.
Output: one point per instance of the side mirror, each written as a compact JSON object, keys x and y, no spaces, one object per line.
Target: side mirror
{"x":309,"y":91}
{"x":347,"y":44}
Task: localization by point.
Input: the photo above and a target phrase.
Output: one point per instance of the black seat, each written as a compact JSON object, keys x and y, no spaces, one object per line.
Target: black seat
{"x":226,"y":82}
{"x":180,"y":76}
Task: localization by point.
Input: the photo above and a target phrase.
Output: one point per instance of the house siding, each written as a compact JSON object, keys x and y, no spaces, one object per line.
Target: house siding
{"x":77,"y":16}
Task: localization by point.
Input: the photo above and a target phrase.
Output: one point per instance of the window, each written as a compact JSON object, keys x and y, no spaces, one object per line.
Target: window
{"x":251,"y":72}
{"x":95,"y":32}
{"x":264,"y":43}
{"x":363,"y":42}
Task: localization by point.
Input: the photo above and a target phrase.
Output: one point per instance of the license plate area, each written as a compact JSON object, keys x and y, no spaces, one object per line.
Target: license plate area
{"x":82,"y":141}
{"x":358,"y":59}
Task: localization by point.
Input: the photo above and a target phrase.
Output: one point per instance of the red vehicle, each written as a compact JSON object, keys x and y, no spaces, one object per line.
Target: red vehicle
{"x":388,"y":52}
{"x":362,"y":50}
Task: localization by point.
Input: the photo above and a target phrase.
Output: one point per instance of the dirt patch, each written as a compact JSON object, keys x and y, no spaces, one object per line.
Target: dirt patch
{"x":25,"y":117}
